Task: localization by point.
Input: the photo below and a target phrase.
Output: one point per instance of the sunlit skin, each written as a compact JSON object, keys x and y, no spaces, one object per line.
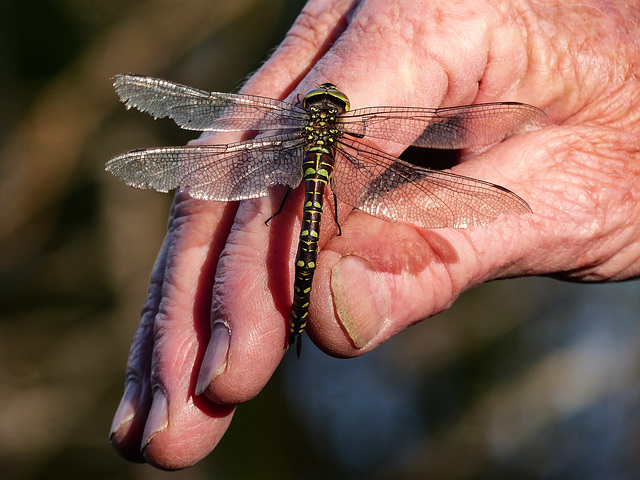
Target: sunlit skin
{"x":222,"y":270}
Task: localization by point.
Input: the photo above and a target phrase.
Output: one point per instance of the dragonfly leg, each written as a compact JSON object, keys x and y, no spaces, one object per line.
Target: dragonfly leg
{"x":266,"y":222}
{"x":335,"y":211}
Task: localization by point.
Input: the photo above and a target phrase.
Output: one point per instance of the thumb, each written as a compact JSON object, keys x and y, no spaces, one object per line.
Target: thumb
{"x":379,"y":278}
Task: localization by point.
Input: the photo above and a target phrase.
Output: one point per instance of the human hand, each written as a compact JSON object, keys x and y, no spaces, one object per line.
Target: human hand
{"x":222,"y":282}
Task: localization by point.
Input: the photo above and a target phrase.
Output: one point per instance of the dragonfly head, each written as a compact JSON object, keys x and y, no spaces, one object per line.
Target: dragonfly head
{"x":327,"y":93}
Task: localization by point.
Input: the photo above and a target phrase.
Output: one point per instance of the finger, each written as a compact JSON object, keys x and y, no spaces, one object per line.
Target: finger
{"x":133,"y":423}
{"x":130,"y":417}
{"x":252,"y":294}
{"x":431,"y":72}
{"x":128,"y":430}
{"x":379,"y":278}
{"x":171,"y":342}
{"x":315,"y":30}
{"x":249,"y":306}
{"x":242,"y":270}
{"x":382,"y":278}
{"x":417,"y":63}
{"x":583,"y":192}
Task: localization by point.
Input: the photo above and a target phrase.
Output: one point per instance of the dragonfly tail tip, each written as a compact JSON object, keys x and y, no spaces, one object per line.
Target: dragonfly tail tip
{"x":297,"y":339}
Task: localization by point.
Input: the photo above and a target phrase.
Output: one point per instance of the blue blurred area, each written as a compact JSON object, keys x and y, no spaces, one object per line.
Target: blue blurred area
{"x":365,"y":412}
{"x":549,"y":391}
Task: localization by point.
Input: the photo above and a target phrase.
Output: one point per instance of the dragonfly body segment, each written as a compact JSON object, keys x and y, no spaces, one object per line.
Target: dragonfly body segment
{"x":324,"y":104}
{"x":320,"y":142}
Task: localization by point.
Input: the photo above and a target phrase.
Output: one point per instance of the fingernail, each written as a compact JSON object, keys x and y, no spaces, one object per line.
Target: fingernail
{"x":158,"y":418}
{"x":128,"y":406}
{"x":361,"y":298}
{"x":215,"y":358}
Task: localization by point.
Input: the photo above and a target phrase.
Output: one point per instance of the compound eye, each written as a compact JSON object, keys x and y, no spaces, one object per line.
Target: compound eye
{"x":329,"y":92}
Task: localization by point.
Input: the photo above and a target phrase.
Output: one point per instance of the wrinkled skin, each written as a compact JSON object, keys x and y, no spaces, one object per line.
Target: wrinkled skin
{"x":221,"y":266}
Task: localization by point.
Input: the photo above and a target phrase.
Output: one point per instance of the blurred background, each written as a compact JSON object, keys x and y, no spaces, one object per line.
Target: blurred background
{"x":528,"y":378}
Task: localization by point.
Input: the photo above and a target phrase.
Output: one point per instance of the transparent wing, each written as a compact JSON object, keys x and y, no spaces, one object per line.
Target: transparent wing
{"x":237,"y":171}
{"x":393,"y":190}
{"x":195,"y":109}
{"x":447,"y":128}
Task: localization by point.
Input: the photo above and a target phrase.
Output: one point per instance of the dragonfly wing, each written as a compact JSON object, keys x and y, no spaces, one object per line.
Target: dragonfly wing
{"x":237,"y":171}
{"x":446,"y":128}
{"x":393,"y":190}
{"x":195,"y":109}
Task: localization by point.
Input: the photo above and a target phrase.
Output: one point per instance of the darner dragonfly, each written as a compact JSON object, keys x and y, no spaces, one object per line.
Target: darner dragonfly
{"x":320,"y":141}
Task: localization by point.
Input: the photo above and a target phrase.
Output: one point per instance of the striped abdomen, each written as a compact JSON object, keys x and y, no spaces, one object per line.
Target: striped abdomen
{"x":317,"y":168}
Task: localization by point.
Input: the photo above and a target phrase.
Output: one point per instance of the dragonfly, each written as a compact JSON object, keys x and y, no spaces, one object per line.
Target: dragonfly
{"x":320,"y":142}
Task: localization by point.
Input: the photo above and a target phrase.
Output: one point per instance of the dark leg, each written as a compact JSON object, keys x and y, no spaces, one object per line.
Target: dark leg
{"x":335,"y":211}
{"x":266,"y":222}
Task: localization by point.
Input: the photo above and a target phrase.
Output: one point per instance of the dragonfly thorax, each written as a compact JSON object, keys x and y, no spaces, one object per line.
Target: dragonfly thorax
{"x":321,"y":129}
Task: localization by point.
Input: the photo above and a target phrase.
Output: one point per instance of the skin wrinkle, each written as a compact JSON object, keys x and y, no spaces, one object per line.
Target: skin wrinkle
{"x":605,"y":259}
{"x":458,"y":74}
{"x":306,"y":31}
{"x":430,"y":291}
{"x":317,"y":28}
{"x":613,"y":111}
{"x":594,"y":73}
{"x":560,"y":149}
{"x":552,"y":53}
{"x":541,"y":57}
{"x":446,"y":282}
{"x":291,"y":53}
{"x":614,"y":269}
{"x":150,"y":307}
{"x":571,"y":70}
{"x":411,"y":67}
{"x":165,"y":331}
{"x":184,"y":352}
{"x":586,"y":65}
{"x":512,"y":254}
{"x":614,"y":232}
{"x":503,"y":58}
{"x":387,"y":35}
{"x":446,"y":257}
{"x":594,"y":272}
{"x":602,"y":233}
{"x":589,"y":152}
